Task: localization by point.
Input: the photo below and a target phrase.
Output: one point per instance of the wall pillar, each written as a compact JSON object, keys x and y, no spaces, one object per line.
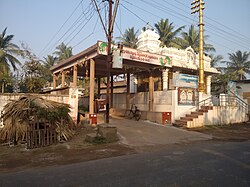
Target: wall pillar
{"x":54,"y":81}
{"x":99,"y":87}
{"x":151,"y":92}
{"x":111,"y":91}
{"x":128,"y":92}
{"x":208,"y":81}
{"x":92,"y":86}
{"x":75,"y":76}
{"x":165,"y":79}
{"x":63,"y":79}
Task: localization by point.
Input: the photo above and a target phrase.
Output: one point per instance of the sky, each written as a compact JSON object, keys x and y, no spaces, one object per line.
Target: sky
{"x":43,"y":25}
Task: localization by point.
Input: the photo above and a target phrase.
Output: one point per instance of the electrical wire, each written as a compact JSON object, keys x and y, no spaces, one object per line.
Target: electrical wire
{"x":60,"y":28}
{"x":162,"y":7}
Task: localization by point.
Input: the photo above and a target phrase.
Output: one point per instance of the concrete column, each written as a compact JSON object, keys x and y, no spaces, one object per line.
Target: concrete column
{"x":208,"y":81}
{"x":54,"y":81}
{"x":75,"y":76}
{"x":165,"y":79}
{"x":128,"y":92}
{"x":151,"y":92}
{"x":99,"y":87}
{"x":63,"y":79}
{"x":91,"y":86}
{"x":111,"y":91}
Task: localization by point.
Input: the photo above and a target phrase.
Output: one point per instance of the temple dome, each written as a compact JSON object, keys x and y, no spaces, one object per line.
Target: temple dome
{"x":148,"y":40}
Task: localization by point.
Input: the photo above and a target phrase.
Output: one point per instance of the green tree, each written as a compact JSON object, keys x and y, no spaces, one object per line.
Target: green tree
{"x":32,"y":78}
{"x":48,"y":62}
{"x":129,"y":38}
{"x":8,"y":51}
{"x":6,"y":82}
{"x":168,"y":34}
{"x":215,"y":59}
{"x":63,"y":52}
{"x":220,"y":81}
{"x":239,"y":64}
{"x":191,"y":38}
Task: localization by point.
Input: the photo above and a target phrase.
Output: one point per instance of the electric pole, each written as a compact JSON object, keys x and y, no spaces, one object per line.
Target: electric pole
{"x":108,"y":31}
{"x":109,"y":60}
{"x":198,"y":6}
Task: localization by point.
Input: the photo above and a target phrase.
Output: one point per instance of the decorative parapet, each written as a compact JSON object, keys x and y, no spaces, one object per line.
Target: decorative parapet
{"x":187,"y":59}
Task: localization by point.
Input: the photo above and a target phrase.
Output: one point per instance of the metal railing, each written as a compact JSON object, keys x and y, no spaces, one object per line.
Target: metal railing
{"x":224,"y":100}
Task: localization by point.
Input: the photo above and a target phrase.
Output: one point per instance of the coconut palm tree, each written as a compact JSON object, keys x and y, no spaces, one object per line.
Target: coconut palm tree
{"x":215,"y":59}
{"x":168,"y":34}
{"x":63,"y":51}
{"x":8,"y":51}
{"x":129,"y":38}
{"x":48,"y":62}
{"x":239,"y":63}
{"x":191,"y":38}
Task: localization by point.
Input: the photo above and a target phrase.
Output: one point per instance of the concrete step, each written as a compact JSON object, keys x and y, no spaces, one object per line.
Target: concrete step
{"x":181,"y":121}
{"x":203,"y":110}
{"x":187,"y":118}
{"x":207,"y":107}
{"x":192,"y":115}
{"x":179,"y":125}
{"x":197,"y":113}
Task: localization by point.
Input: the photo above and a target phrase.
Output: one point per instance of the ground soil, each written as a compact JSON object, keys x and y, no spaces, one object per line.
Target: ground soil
{"x":17,"y":158}
{"x":232,"y":132}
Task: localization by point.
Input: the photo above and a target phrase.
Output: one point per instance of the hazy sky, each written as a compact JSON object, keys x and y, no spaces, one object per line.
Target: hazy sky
{"x":38,"y":22}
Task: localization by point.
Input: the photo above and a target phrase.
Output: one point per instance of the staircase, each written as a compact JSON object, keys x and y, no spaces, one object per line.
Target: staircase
{"x":223,"y":109}
{"x":183,"y":121}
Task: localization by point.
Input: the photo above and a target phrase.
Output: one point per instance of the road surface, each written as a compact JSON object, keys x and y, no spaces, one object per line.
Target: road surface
{"x":206,"y":163}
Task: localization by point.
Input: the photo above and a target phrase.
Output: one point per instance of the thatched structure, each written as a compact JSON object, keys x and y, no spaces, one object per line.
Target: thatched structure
{"x":17,"y":116}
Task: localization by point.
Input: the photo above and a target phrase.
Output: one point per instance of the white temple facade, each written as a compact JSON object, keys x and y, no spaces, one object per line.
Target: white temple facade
{"x":186,"y":61}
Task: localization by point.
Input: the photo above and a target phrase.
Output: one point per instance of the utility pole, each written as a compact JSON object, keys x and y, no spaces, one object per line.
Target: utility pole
{"x":198,"y":6}
{"x":108,"y":31}
{"x":109,"y":60}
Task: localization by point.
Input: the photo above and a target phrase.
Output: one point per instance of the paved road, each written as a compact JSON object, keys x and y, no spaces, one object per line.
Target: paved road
{"x":206,"y":163}
{"x":145,"y":133}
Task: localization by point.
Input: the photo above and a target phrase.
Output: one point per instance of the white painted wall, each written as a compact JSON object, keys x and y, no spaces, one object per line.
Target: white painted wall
{"x":220,"y":115}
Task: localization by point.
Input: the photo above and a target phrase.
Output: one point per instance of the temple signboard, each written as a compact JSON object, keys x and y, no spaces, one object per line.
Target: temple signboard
{"x":137,"y":55}
{"x":185,"y":80}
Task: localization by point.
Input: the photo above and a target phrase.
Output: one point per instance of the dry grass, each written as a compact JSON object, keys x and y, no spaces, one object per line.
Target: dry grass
{"x":18,"y":114}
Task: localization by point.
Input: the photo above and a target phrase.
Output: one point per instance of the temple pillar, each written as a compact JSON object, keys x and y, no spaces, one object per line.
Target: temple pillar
{"x":165,"y":79}
{"x":92,"y":87}
{"x":208,"y":81}
{"x":99,"y":87}
{"x":128,"y":92}
{"x":54,"y":81}
{"x":75,"y":76}
{"x":111,"y":91}
{"x":63,"y":79}
{"x":151,"y":92}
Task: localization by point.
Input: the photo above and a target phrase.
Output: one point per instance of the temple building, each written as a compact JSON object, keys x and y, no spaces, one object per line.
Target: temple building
{"x":158,"y":80}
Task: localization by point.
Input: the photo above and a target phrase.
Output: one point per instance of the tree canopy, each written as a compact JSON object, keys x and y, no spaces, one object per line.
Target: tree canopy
{"x":191,"y":38}
{"x":239,"y":63}
{"x":168,"y":33}
{"x":8,"y":51}
{"x":129,"y":38}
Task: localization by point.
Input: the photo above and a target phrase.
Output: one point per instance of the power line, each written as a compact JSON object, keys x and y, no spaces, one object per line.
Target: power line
{"x":219,"y":23}
{"x":81,"y":28}
{"x":84,"y":23}
{"x":60,"y":28}
{"x":134,"y":14}
{"x":161,"y":8}
{"x":79,"y":18}
{"x":88,"y":35}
